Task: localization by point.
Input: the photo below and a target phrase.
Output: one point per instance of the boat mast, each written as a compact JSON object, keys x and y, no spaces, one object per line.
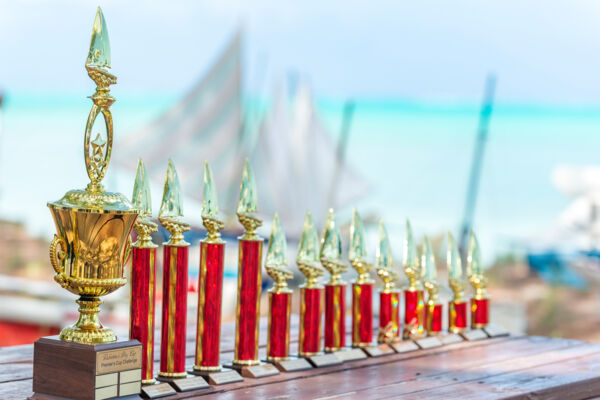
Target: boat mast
{"x":341,"y":151}
{"x":474,"y":178}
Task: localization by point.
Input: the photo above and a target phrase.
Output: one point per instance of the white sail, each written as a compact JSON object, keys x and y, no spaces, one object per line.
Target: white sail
{"x":206,"y":125}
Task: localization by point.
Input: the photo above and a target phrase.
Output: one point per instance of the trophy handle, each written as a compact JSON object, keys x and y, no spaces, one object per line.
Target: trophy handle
{"x":57,"y":257}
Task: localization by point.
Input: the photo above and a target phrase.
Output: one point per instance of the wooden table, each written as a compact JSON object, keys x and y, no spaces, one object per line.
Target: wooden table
{"x":508,"y":367}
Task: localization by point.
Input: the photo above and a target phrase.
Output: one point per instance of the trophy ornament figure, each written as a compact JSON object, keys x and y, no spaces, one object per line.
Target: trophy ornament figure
{"x":335,"y":290}
{"x":92,"y":242}
{"x":250,"y":246}
{"x":457,"y":307}
{"x":210,"y":282}
{"x":480,"y":302}
{"x":309,"y":343}
{"x":280,"y":295}
{"x":433,"y":310}
{"x":175,"y":280}
{"x":143,"y":275}
{"x":414,"y":313}
{"x":362,"y":288}
{"x":389,"y":296}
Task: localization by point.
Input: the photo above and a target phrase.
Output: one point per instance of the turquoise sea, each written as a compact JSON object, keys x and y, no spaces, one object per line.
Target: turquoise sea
{"x":415,"y":154}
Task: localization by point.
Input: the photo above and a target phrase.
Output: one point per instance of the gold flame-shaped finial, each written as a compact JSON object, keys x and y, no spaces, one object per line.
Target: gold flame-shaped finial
{"x":331,"y":250}
{"x":429,"y":271}
{"x":210,"y":208}
{"x":358,"y":250}
{"x":383,"y":260}
{"x":99,"y":54}
{"x":97,"y":152}
{"x":455,"y":270}
{"x":276,"y":260}
{"x":308,"y":253}
{"x":411,"y":264}
{"x":142,"y":202}
{"x":475,"y":268}
{"x":248,"y":203}
{"x":171,"y":208}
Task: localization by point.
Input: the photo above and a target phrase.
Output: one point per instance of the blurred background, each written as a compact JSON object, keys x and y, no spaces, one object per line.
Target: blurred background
{"x":452,"y":114}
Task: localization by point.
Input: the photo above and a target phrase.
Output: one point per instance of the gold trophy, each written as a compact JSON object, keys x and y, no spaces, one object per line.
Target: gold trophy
{"x":88,"y":254}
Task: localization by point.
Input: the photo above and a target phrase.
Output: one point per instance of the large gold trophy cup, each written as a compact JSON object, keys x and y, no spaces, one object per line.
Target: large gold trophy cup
{"x":88,"y":254}
{"x":93,"y":226}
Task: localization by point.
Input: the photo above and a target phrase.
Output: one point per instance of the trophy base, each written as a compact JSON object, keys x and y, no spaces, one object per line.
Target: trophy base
{"x":323,"y":360}
{"x":494,"y":330}
{"x":378,"y":350}
{"x":429,"y":342}
{"x":291,"y":364}
{"x":157,"y":390}
{"x":82,"y":371}
{"x":220,"y":377}
{"x":185,"y":383}
{"x":404,"y":346}
{"x":347,"y":354}
{"x":260,"y":370}
{"x":474,"y":334}
{"x":451,"y":338}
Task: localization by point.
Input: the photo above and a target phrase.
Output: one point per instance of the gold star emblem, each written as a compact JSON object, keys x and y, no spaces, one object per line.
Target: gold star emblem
{"x":98,"y":146}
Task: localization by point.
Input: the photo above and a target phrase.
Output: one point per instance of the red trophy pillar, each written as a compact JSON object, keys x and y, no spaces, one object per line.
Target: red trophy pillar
{"x":480,"y":303}
{"x":433,"y":313}
{"x":479,"y":312}
{"x":414,"y":302}
{"x":175,"y":282}
{"x":311,"y":308}
{"x":210,"y":286}
{"x":278,"y":341}
{"x":458,"y":306}
{"x":389,"y":297}
{"x":143,"y":276}
{"x":457,"y":316}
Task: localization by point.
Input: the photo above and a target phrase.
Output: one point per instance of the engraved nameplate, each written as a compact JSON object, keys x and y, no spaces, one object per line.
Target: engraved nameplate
{"x":351,"y":355}
{"x":159,"y":390}
{"x":404,"y":346}
{"x":474,"y":334}
{"x":379,"y":350}
{"x":259,"y":371}
{"x":324,"y":360}
{"x":494,"y":330}
{"x":108,"y":361}
{"x":223,"y":377}
{"x":291,"y":365}
{"x":187,"y":384}
{"x":451,"y":338}
{"x":429,"y":342}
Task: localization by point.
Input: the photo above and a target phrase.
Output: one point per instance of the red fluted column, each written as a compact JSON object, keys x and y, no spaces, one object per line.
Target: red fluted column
{"x":414,"y":313}
{"x":457,"y":316}
{"x":278,"y":341}
{"x":210,"y":293}
{"x":174,"y":312}
{"x":389,"y":316}
{"x":335,"y":317}
{"x":434,"y":319}
{"x":479,"y":312}
{"x":309,"y":342}
{"x":248,"y":303}
{"x":362,"y":314}
{"x":141,"y":312}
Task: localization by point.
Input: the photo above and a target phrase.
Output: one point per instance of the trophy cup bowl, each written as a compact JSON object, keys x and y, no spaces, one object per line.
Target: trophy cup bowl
{"x":88,"y":254}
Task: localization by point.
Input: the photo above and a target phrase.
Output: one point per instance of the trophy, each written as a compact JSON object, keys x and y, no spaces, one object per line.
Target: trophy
{"x":249,"y":284}
{"x":457,"y":307}
{"x":335,"y":289}
{"x":88,"y":254}
{"x":480,"y":301}
{"x":175,"y":281}
{"x":362,"y":288}
{"x":335,"y":293}
{"x":309,"y":342}
{"x":389,"y":296}
{"x":143,"y":275}
{"x":433,"y":310}
{"x":414,"y":311}
{"x":210,"y":291}
{"x":280,"y":303}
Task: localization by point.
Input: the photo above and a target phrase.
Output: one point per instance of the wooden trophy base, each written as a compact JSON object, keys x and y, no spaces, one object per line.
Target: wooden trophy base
{"x":323,"y":360}
{"x":404,"y":346}
{"x":86,"y":372}
{"x":261,"y":370}
{"x":225,"y":375}
{"x":378,"y":350}
{"x":292,"y":364}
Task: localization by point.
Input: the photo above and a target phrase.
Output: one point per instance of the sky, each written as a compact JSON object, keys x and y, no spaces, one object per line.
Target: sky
{"x":542,"y":51}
